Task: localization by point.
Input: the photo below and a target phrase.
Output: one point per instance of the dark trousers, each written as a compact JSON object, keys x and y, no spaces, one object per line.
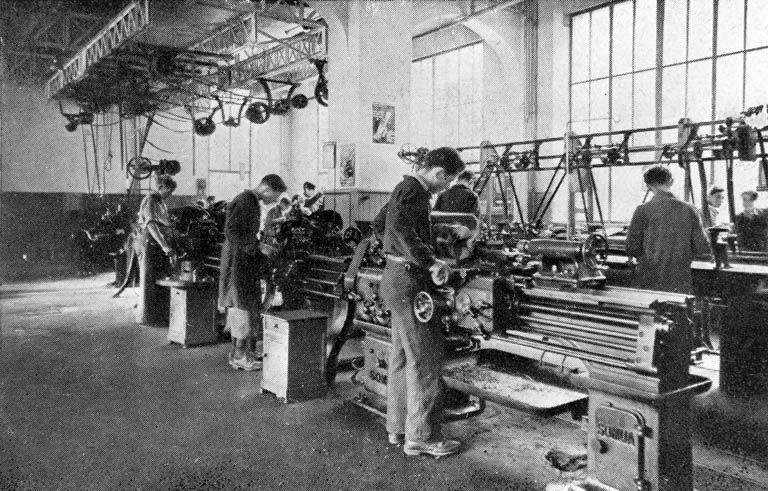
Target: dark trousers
{"x":414,"y":387}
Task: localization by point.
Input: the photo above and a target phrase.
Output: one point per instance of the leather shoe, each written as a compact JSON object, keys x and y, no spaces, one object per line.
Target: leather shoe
{"x":247,"y":363}
{"x":436,"y":449}
{"x":396,"y":439}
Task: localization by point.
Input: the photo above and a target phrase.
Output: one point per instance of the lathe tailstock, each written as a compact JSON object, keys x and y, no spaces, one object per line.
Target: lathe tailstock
{"x":545,"y":302}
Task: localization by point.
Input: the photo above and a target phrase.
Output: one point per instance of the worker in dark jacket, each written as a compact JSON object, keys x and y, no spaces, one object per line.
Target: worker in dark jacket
{"x":751,"y":225}
{"x":459,"y":198}
{"x":414,"y":383}
{"x":242,"y":260}
{"x":665,"y":235}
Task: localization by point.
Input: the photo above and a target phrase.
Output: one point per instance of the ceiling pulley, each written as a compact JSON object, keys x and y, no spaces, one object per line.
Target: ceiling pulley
{"x":205,"y":126}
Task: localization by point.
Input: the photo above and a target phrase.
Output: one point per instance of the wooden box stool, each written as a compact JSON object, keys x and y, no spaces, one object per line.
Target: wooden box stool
{"x":294,"y":354}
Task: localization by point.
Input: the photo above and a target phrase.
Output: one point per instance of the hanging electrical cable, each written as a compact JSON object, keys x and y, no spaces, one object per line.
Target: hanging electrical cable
{"x":122,"y":141}
{"x":156,"y":147}
{"x":85,"y":154}
{"x":96,"y":163}
{"x":168,"y":127}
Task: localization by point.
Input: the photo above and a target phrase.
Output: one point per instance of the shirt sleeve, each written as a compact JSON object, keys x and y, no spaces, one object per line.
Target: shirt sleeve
{"x":475,"y":205}
{"x":379,"y":223}
{"x":635,"y":234}
{"x":404,"y":215}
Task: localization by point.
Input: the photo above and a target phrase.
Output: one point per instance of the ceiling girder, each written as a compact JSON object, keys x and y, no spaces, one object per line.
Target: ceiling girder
{"x":289,"y":54}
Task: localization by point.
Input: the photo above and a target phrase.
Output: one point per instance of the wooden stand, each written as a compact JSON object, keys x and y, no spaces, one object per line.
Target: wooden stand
{"x":192,"y":312}
{"x":294,"y":354}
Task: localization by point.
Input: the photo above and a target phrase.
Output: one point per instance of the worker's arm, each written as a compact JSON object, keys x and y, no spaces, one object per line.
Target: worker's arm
{"x":380,"y":222}
{"x":475,"y":205}
{"x":156,"y":234}
{"x":402,"y":214}
{"x":635,"y":234}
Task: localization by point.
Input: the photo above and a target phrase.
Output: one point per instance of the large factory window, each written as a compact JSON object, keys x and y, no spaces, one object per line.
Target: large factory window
{"x":446,"y":98}
{"x":712,"y":63}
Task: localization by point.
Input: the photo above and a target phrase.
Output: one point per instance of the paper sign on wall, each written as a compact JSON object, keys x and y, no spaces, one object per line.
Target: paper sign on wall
{"x":383,"y":123}
{"x":347,"y":165}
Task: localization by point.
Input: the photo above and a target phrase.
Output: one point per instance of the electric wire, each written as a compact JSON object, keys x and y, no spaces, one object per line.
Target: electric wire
{"x":87,"y":168}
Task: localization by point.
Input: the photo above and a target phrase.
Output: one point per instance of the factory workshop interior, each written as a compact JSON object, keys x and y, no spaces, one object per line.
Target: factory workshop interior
{"x":384,"y":244}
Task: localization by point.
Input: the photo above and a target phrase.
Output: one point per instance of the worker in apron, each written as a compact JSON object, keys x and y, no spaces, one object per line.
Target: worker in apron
{"x":156,"y":256}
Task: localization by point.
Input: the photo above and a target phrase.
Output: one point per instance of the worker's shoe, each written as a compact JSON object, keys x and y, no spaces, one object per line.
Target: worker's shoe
{"x":245,"y":362}
{"x":396,"y":438}
{"x":436,"y":449}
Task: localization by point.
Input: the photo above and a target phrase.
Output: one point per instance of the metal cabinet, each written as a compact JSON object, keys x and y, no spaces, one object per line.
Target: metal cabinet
{"x":294,"y":354}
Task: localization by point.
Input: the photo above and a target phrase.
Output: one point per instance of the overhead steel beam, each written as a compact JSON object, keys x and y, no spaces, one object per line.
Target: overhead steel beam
{"x":278,"y":59}
{"x":132,"y":20}
{"x":464,"y":18}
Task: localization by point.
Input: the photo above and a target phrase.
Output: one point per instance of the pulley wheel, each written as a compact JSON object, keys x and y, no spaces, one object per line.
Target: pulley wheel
{"x":423,"y":307}
{"x":204,"y":126}
{"x":170,"y":167}
{"x":321,"y":93}
{"x":595,"y":250}
{"x":299,"y":101}
{"x":139,"y":168}
{"x":257,"y":113}
{"x":352,"y":235}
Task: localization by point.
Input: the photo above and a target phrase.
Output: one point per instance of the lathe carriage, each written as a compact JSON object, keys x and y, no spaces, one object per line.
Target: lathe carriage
{"x":543,"y":308}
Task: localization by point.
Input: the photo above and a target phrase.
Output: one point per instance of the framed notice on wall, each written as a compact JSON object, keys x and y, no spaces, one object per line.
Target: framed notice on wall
{"x":347,"y":165}
{"x":383,"y":123}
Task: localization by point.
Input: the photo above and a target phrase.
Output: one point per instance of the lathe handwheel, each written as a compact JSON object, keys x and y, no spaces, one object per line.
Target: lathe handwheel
{"x":423,"y":307}
{"x":352,"y":235}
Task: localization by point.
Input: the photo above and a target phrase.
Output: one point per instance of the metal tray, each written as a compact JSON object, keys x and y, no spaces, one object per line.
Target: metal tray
{"x":518,"y":390}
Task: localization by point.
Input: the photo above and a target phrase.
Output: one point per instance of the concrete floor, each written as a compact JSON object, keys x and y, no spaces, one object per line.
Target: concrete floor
{"x":89,"y":400}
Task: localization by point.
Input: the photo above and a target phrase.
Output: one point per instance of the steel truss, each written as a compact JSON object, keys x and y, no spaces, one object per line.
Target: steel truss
{"x":291,"y":54}
{"x":132,"y":20}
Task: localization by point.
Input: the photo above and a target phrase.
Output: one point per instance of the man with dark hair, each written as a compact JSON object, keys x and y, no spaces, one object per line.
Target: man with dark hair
{"x":665,"y":235}
{"x":415,"y":364}
{"x":242,"y":260}
{"x":459,"y":198}
{"x":313,"y":201}
{"x":714,"y":200}
{"x":751,"y":225}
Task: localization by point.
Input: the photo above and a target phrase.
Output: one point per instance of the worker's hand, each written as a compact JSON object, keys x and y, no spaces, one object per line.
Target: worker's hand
{"x":171,"y":256}
{"x":440,"y":272}
{"x":268,"y":250}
